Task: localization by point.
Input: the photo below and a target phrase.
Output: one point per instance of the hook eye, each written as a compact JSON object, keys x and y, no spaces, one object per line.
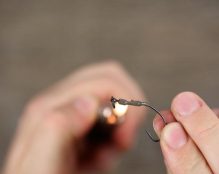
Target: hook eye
{"x":113,"y":101}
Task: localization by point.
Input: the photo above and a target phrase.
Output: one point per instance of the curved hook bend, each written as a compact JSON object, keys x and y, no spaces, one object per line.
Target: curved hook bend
{"x":138,"y":103}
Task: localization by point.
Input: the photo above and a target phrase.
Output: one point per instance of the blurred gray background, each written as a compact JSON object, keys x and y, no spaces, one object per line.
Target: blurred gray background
{"x":168,"y":46}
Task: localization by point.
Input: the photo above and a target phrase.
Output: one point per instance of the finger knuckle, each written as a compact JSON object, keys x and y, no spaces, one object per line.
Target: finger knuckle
{"x":195,"y":164}
{"x":208,"y":131}
{"x":114,"y":68}
{"x":54,"y":121}
{"x":188,"y":166}
{"x":113,"y":63}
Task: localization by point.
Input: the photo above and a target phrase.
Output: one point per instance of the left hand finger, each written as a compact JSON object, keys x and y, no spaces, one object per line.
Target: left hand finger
{"x":102,"y":80}
{"x":181,"y":155}
{"x":100,"y":83}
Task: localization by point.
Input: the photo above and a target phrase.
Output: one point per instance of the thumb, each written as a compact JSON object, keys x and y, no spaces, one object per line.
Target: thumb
{"x":80,"y":115}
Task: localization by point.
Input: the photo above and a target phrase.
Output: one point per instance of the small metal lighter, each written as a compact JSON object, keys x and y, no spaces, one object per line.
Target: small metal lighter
{"x":107,"y":120}
{"x":101,"y":134}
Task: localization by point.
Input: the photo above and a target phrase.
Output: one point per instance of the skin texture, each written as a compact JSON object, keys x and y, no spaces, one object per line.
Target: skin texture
{"x":55,"y":121}
{"x":190,"y":141}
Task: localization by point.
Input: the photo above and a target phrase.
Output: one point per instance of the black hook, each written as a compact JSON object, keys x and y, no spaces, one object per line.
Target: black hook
{"x":138,"y":103}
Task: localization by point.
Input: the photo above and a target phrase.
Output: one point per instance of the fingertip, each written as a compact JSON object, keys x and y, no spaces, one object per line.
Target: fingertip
{"x":174,"y":136}
{"x":186,"y":103}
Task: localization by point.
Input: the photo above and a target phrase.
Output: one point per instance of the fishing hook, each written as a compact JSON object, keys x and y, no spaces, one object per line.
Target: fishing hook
{"x":138,"y":103}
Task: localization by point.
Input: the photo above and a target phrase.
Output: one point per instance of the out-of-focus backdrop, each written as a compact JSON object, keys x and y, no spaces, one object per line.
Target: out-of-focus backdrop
{"x":168,"y":46}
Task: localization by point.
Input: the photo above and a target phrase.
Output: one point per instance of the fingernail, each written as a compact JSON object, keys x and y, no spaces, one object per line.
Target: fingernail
{"x":85,"y":105}
{"x":186,"y":103}
{"x":174,"y":136}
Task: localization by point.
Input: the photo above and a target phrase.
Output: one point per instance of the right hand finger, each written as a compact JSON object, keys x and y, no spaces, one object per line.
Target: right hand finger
{"x":181,"y":155}
{"x":201,"y":124}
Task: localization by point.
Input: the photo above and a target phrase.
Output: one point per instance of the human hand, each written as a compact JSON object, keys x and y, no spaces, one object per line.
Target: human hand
{"x":56,"y":120}
{"x":190,"y":141}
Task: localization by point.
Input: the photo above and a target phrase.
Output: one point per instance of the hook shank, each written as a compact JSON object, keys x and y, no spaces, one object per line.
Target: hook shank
{"x":138,"y":103}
